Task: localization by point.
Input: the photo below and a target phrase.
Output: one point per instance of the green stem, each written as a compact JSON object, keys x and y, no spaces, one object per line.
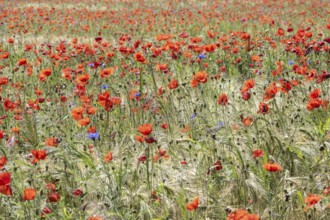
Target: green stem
{"x":148,"y":174}
{"x":141,"y":93}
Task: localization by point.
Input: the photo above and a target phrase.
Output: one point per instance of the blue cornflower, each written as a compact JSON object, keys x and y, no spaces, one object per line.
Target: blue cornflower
{"x":193,"y":116}
{"x":93,"y":136}
{"x":103,"y":65}
{"x":201,"y":56}
{"x":91,"y":65}
{"x":104,"y":86}
{"x":137,"y":94}
{"x":220,"y":124}
{"x":291,"y":62}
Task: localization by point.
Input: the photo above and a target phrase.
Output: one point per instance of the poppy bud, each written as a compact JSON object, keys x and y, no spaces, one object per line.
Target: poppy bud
{"x":54,"y":197}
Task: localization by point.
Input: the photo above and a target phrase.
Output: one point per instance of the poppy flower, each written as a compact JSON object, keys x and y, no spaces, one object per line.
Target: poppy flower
{"x":91,"y":110}
{"x":270,"y":92}
{"x":150,"y":140}
{"x":83,"y":79}
{"x":5,"y":178}
{"x":108,"y":157}
{"x":263,"y":108}
{"x":280,"y":32}
{"x":223,"y":99}
{"x":183,"y":35}
{"x":326,"y":191}
{"x":3,"y":161}
{"x":173,"y":84}
{"x":67,"y":73}
{"x":272,"y":167}
{"x":313,"y":103}
{"x":106,"y":101}
{"x":145,"y":129}
{"x":10,"y":40}
{"x":139,"y":57}
{"x":311,"y":200}
{"x":95,"y":218}
{"x":155,"y":197}
{"x":216,"y":166}
{"x":183,"y":162}
{"x":290,"y":29}
{"x":98,"y":39}
{"x":194,"y":83}
{"x":77,"y":192}
{"x":38,"y":155}
{"x":45,"y":211}
{"x":84,"y":122}
{"x":257,"y":153}
{"x":80,"y":90}
{"x":6,"y":190}
{"x":115,"y":100}
{"x":46,"y":72}
{"x":2,"y":134}
{"x":201,"y":77}
{"x":195,"y":40}
{"x":193,"y":205}
{"x":164,"y":37}
{"x":3,"y":81}
{"x":77,"y":113}
{"x":210,"y":48}
{"x":29,"y":194}
{"x":54,"y":197}
{"x":140,"y":138}
{"x":161,"y":67}
{"x":52,"y":142}
{"x":241,"y":214}
{"x":8,"y":105}
{"x":161,"y":153}
{"x":50,"y":186}
{"x":315,"y":93}
{"x":42,"y":77}
{"x":5,"y":55}
{"x":185,"y":129}
{"x":21,"y":62}
{"x":249,"y":83}
{"x":247,"y":121}
{"x":142,"y":158}
{"x":107,"y":72}
{"x":164,"y":126}
{"x":246,"y":96}
{"x":286,"y":86}
{"x":324,"y":76}
{"x":255,"y":58}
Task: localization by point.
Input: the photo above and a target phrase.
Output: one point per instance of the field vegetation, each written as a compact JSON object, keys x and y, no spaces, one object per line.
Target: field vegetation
{"x":165,"y":109}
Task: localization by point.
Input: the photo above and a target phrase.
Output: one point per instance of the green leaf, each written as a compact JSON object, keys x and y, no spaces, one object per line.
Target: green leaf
{"x":300,"y":197}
